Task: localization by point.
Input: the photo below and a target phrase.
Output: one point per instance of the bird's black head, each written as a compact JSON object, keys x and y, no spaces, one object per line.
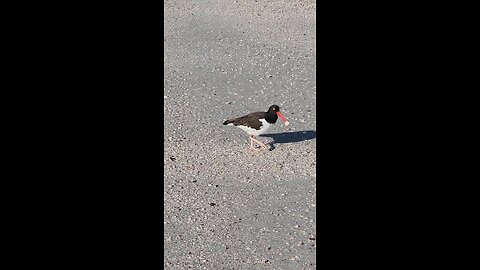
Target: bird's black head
{"x":274,"y":109}
{"x":273,"y":113}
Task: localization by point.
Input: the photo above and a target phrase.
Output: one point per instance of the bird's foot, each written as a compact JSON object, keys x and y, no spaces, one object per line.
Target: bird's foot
{"x":255,"y":148}
{"x":262,"y":145}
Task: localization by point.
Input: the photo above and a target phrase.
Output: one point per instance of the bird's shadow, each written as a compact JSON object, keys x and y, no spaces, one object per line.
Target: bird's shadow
{"x":291,"y":137}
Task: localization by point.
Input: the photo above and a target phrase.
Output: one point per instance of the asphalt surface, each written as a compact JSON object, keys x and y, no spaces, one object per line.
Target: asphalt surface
{"x":225,"y":206}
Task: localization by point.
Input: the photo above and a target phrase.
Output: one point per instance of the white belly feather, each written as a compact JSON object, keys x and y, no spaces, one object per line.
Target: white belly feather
{"x":265,"y":126}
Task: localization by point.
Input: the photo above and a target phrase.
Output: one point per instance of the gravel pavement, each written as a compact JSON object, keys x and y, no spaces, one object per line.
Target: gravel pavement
{"x":226,"y":207}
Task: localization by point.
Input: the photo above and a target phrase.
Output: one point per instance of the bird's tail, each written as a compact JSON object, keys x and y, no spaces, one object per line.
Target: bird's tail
{"x":228,"y":122}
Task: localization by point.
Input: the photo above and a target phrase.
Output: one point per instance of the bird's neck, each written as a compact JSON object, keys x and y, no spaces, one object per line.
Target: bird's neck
{"x":271,"y":117}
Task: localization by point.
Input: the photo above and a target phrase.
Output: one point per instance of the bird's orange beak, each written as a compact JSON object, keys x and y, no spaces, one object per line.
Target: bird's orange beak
{"x":283,"y":118}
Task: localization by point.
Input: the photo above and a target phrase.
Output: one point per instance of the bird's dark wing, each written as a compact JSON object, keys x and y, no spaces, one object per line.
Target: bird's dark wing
{"x":250,"y":120}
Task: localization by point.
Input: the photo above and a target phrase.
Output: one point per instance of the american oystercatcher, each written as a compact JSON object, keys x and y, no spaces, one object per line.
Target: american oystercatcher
{"x":257,"y":123}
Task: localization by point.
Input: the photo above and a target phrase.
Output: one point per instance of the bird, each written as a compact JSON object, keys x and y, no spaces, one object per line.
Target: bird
{"x":257,"y":123}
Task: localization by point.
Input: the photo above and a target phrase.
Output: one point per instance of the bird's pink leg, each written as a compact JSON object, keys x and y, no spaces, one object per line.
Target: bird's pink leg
{"x":251,"y":143}
{"x":259,"y":142}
